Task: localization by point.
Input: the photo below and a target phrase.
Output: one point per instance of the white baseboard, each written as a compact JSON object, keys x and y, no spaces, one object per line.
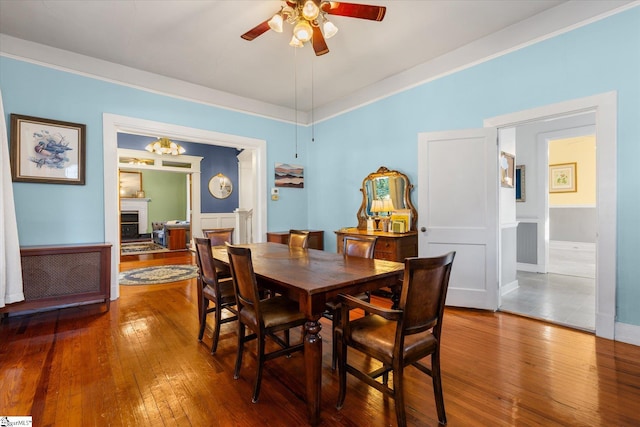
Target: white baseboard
{"x":532,"y":268}
{"x":627,"y":333}
{"x":509,"y":287}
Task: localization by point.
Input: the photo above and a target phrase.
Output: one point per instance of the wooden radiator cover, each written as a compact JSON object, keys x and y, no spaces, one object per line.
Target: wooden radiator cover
{"x":60,"y":275}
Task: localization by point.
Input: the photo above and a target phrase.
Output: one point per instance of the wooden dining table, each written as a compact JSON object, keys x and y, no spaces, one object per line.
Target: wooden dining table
{"x":313,"y":277}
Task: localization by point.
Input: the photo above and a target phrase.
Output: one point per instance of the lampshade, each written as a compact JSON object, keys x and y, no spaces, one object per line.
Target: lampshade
{"x":275,"y":23}
{"x":387,"y":205}
{"x":165,"y":146}
{"x":376,"y":206}
{"x":310,"y":10}
{"x":295,"y":42}
{"x":329,"y":29}
{"x":302,"y":31}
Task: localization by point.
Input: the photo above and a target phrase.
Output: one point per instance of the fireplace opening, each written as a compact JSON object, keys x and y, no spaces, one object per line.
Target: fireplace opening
{"x":129,"y":225}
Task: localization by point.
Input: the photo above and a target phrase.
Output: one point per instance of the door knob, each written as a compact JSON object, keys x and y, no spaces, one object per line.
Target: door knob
{"x":423,"y":229}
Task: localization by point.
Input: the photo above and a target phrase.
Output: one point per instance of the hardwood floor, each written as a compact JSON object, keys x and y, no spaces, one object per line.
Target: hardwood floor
{"x":140,"y":364}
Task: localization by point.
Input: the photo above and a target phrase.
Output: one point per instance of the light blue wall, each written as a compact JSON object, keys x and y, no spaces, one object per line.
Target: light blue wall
{"x":601,"y":57}
{"x":60,"y":214}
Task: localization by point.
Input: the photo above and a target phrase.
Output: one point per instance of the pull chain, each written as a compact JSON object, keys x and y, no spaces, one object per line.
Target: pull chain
{"x":295,"y":94}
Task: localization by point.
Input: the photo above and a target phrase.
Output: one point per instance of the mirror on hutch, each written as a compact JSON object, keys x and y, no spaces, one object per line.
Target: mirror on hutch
{"x":385,"y":194}
{"x":386,"y":211}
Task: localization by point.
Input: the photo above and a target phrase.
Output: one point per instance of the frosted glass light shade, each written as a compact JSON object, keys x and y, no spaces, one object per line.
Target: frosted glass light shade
{"x":302,"y":31}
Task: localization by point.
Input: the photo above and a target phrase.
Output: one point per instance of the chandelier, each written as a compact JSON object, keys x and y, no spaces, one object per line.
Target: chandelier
{"x":164,"y":146}
{"x":304,"y":16}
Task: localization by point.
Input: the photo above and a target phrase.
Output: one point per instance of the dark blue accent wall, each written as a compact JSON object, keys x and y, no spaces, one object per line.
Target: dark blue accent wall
{"x":215,"y":160}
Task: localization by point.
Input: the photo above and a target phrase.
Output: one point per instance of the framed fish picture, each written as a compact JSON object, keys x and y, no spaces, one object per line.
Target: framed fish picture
{"x":47,"y":151}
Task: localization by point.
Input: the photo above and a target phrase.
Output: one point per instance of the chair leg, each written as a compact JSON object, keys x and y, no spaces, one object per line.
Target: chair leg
{"x":256,"y":387}
{"x":203,"y":319}
{"x":437,"y":387}
{"x":216,"y":330}
{"x":342,"y":371}
{"x":241,"y":331}
{"x":334,"y":350}
{"x":398,"y":393}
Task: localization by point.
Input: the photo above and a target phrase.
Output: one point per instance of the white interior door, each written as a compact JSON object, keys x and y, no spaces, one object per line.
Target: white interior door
{"x":458,"y":210}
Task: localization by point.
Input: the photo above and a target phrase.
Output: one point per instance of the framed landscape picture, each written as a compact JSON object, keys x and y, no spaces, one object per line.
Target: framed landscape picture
{"x":47,"y":151}
{"x":562,"y":178}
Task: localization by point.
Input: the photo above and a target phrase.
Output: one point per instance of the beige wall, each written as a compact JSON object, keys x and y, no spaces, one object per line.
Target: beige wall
{"x":582,"y":151}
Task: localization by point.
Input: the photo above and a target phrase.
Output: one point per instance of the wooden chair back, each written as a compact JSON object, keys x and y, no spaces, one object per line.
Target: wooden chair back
{"x":244,"y":279}
{"x":299,"y":239}
{"x":204,"y":260}
{"x":218,"y":236}
{"x":424,"y":291}
{"x":360,"y":246}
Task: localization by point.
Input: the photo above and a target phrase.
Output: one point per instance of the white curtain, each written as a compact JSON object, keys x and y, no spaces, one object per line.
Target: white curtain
{"x":10,"y":266}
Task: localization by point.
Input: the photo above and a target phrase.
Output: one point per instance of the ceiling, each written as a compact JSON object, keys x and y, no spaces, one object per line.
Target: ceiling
{"x":199,"y":42}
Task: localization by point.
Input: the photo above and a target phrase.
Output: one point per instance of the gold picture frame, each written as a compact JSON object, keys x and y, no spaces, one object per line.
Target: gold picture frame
{"x":563,"y":178}
{"x":130,"y":184}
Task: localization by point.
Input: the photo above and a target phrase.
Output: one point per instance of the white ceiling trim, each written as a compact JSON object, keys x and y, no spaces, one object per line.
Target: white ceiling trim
{"x":548,"y":24}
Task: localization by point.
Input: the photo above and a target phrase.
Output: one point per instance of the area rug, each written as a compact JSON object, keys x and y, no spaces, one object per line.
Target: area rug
{"x":140,"y":248}
{"x":155,"y":275}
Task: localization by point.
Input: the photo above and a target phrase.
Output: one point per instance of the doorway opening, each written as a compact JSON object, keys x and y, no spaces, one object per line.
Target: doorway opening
{"x":604,"y":109}
{"x":556,"y":224}
{"x":254,"y":180}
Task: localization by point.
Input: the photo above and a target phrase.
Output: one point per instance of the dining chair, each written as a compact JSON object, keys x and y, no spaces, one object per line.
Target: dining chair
{"x":218,"y":237}
{"x":401,"y":337}
{"x":264,"y":317}
{"x":299,"y":239}
{"x":359,"y":246}
{"x":212,"y":289}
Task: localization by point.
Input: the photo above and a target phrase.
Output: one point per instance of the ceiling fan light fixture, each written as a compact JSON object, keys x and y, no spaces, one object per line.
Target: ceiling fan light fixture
{"x":329,"y":29}
{"x":310,"y":10}
{"x":303,"y":31}
{"x":275,"y":23}
{"x":295,"y":42}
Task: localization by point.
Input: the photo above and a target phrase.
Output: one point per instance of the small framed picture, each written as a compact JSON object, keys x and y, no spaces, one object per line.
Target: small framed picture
{"x":47,"y":151}
{"x":562,"y":178}
{"x":507,"y":169}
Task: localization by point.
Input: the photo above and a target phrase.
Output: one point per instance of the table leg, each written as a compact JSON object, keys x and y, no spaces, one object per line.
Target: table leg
{"x":313,"y":368}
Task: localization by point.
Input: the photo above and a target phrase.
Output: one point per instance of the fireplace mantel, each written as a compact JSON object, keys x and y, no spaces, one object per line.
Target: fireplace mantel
{"x":141,"y":205}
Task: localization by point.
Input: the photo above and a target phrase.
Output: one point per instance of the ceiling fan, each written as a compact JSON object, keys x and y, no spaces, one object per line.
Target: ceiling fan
{"x":309,"y":18}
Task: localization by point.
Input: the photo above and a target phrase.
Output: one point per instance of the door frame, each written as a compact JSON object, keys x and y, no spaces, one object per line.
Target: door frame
{"x":112,"y":124}
{"x":605,"y":108}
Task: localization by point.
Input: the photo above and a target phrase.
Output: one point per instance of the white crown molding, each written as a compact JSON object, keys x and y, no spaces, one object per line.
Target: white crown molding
{"x":548,"y":24}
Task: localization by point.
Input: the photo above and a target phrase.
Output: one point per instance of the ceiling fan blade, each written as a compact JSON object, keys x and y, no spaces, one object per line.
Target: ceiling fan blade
{"x":319,"y":43}
{"x":258,"y":30}
{"x":352,"y":10}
